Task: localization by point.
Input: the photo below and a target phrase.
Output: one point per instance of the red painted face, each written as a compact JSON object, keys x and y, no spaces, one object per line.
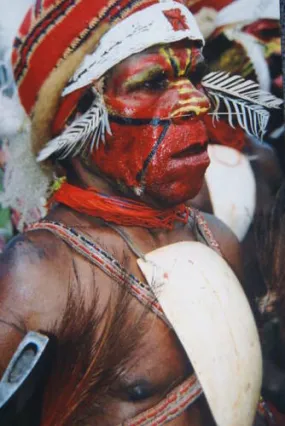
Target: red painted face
{"x":159,"y":141}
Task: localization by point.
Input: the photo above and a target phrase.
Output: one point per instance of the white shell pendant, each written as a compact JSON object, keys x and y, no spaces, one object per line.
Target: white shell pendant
{"x":205,"y":303}
{"x":232,"y":188}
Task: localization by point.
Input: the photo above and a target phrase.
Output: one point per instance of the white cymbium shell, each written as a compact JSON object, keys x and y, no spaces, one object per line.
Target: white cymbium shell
{"x":204,"y":302}
{"x":232,"y":188}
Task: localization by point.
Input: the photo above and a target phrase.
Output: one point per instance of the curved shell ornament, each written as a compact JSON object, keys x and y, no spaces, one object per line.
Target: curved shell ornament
{"x":204,"y":302}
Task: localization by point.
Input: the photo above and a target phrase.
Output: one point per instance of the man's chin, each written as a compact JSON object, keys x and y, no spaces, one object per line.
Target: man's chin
{"x":173,"y":195}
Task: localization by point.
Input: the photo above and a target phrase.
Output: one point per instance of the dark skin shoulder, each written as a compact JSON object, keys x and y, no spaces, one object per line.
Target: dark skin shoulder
{"x":38,"y":271}
{"x":33,"y":287}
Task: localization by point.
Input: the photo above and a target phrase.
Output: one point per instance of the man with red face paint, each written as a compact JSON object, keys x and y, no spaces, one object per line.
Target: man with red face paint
{"x":135,"y":286}
{"x":154,"y":144}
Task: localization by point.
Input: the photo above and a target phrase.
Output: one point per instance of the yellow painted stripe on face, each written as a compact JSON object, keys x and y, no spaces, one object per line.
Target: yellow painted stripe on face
{"x":190,"y":92}
{"x":181,"y":71}
{"x":192,"y":99}
{"x":165,"y":54}
{"x":184,"y":91}
{"x":175,"y":60}
{"x":190,"y":108}
{"x":189,"y":59}
{"x":179,"y":83}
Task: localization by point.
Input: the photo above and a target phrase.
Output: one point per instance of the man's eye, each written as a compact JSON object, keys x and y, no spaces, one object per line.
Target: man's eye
{"x":157,"y":83}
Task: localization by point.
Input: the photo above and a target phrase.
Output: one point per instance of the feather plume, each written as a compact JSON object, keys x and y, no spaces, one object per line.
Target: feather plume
{"x":90,"y":129}
{"x":96,"y":348}
{"x":237,"y":86}
{"x":242,"y":99}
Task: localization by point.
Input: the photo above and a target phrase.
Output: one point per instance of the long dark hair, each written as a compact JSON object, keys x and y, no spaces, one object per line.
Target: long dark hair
{"x":270,"y":244}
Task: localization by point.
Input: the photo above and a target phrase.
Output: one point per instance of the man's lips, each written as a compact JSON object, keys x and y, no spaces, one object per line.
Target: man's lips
{"x":191,"y":150}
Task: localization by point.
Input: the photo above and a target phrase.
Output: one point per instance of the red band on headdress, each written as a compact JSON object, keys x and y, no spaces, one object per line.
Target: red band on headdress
{"x":53,"y":29}
{"x":196,"y":5}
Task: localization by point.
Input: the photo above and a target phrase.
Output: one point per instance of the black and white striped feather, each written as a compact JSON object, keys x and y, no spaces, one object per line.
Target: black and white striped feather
{"x":86,"y":131}
{"x":242,"y":100}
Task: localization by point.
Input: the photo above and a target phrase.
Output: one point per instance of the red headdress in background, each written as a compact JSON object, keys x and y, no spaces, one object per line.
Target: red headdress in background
{"x":196,"y":5}
{"x":242,"y":38}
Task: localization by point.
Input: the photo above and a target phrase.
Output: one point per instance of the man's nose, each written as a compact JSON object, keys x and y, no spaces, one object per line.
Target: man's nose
{"x":190,"y":101}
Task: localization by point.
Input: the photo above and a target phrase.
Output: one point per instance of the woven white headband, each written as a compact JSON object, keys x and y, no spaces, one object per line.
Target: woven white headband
{"x":166,"y":22}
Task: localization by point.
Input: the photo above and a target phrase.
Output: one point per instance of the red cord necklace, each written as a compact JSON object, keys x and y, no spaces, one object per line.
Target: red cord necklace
{"x":118,"y":210}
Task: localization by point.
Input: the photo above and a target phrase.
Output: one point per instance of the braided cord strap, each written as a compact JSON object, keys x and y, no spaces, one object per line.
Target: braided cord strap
{"x":103,"y":260}
{"x":202,"y":231}
{"x":178,"y":400}
{"x":174,"y":404}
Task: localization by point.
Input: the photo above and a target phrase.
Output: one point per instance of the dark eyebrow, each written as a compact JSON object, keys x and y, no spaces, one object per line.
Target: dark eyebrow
{"x":148,"y":73}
